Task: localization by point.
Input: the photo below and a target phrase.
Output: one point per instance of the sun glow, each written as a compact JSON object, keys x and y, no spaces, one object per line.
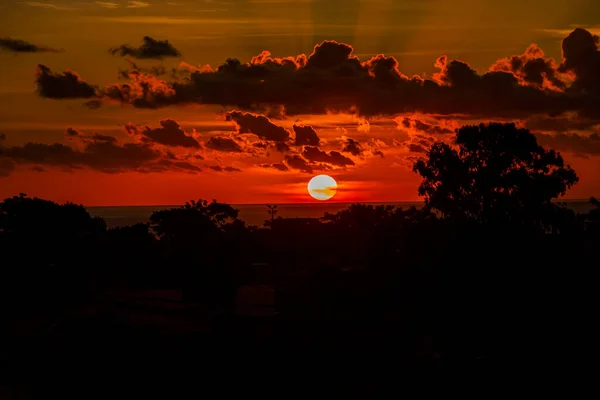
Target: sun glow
{"x":322,"y":187}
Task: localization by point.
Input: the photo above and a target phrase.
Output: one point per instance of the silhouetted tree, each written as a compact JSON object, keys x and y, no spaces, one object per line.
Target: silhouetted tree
{"x":49,"y":253}
{"x":201,"y":240}
{"x":272,"y":211}
{"x":495,"y":173}
{"x":194,"y":221}
{"x":33,"y":217}
{"x":593,"y":217}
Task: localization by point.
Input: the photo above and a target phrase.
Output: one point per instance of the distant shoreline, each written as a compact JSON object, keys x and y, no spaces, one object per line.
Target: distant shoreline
{"x":586,"y":200}
{"x":256,"y":214}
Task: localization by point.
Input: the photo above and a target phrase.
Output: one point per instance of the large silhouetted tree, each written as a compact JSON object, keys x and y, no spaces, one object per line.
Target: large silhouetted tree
{"x":194,"y":221}
{"x":33,"y":217}
{"x":495,"y":173}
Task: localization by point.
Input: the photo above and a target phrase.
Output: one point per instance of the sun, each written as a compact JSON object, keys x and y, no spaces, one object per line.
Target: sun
{"x":322,"y":187}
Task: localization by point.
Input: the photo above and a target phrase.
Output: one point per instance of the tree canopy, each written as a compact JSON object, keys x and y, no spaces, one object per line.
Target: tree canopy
{"x":494,"y":173}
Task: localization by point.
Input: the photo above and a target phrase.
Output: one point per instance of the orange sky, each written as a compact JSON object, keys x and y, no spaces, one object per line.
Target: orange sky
{"x":415,"y":32}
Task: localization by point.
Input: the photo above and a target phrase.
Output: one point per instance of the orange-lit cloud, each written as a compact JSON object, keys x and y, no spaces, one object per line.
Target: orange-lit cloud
{"x":331,"y":78}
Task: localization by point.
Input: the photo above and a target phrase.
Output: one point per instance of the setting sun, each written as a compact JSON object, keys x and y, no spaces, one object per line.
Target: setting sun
{"x":322,"y":187}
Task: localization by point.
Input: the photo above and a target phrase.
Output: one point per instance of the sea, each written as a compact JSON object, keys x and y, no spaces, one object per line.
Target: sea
{"x":257,"y":214}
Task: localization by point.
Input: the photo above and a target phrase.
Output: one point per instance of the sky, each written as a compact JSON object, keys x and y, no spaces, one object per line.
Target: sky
{"x":143,"y":102}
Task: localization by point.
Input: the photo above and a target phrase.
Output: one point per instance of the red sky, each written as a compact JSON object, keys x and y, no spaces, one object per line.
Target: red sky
{"x":370,"y":117}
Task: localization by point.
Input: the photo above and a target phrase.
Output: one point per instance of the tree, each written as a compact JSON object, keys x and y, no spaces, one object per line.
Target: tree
{"x":33,"y":217}
{"x":194,"y":221}
{"x":272,"y":209}
{"x":494,"y":173}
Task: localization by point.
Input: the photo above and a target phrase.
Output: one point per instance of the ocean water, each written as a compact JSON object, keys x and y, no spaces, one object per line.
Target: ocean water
{"x":256,"y":214}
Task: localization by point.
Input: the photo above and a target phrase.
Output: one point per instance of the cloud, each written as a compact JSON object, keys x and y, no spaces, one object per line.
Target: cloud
{"x":47,"y":5}
{"x":169,"y":134}
{"x":306,"y":136}
{"x":314,"y":154}
{"x":223,"y":143}
{"x":155,"y":70}
{"x":297,"y":162}
{"x":100,"y":152}
{"x":138,"y":4}
{"x":580,"y":145}
{"x":226,"y":169}
{"x":21,"y":46}
{"x":531,"y":68}
{"x":418,"y":143}
{"x":143,"y":91}
{"x":108,"y":4}
{"x":558,"y":124}
{"x":149,"y":49}
{"x":418,"y":125}
{"x":258,"y":125}
{"x":277,"y":166}
{"x":332,"y":79}
{"x":372,"y":147}
{"x":71,"y":134}
{"x":65,"y":85}
{"x":582,"y":58}
{"x":352,"y":146}
{"x":2,"y":136}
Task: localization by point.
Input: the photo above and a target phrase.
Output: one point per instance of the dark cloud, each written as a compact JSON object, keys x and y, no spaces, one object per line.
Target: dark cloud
{"x":100,"y":152}
{"x":261,"y":145}
{"x":332,"y":79}
{"x":37,"y":168}
{"x":352,"y":146}
{"x":416,"y":148}
{"x":143,"y":91}
{"x":2,"y":136}
{"x":418,"y":143}
{"x":425,"y":127}
{"x":306,"y":136}
{"x":103,"y":156}
{"x":103,"y":138}
{"x":65,"y":85}
{"x":580,"y":145}
{"x":297,"y":162}
{"x":277,"y":166}
{"x":282,"y":147}
{"x":156,"y":70}
{"x":71,"y":134}
{"x":531,"y":68}
{"x":558,"y":124}
{"x":371,"y":147}
{"x":164,"y":165}
{"x":314,"y":154}
{"x":21,"y":46}
{"x":582,"y":58}
{"x":223,"y":143}
{"x":150,"y":48}
{"x":225,"y":169}
{"x":169,"y":134}
{"x":258,"y":125}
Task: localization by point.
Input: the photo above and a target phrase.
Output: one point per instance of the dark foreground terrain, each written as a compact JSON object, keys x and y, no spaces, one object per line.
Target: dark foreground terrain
{"x":492,"y":275}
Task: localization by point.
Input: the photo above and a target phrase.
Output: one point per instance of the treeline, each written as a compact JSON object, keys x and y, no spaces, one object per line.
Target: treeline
{"x":491,"y":261}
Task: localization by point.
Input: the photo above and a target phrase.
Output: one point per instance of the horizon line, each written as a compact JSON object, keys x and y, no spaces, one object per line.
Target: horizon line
{"x":312,"y":203}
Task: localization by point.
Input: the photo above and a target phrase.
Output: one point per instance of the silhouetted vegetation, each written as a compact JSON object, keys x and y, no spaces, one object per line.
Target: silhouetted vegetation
{"x":492,"y":266}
